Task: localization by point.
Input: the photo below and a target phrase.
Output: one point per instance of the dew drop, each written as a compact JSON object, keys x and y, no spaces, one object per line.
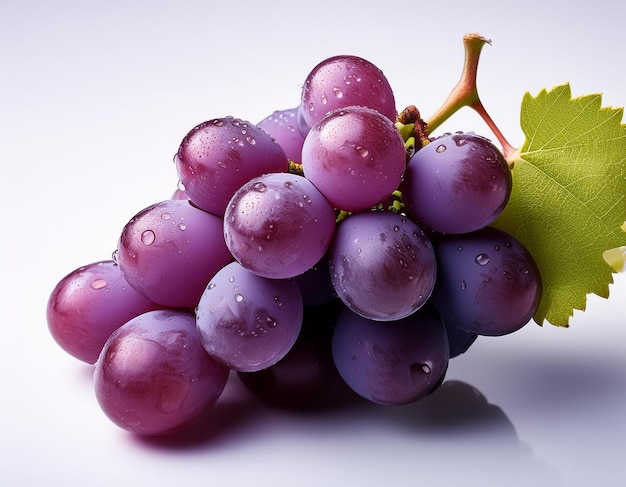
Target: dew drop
{"x":460,"y":248}
{"x":98,"y":284}
{"x":496,"y":247}
{"x":441,"y":148}
{"x":260,"y":187}
{"x":425,"y":368}
{"x":182,"y":226}
{"x":323,"y":99}
{"x":231,"y":279}
{"x":239,"y":298}
{"x":148,"y":237}
{"x":353,"y":359}
{"x":166,"y":216}
{"x":463,"y":284}
{"x":396,"y":228}
{"x":362,"y":151}
{"x":337,"y":92}
{"x":482,"y":259}
{"x":250,"y":140}
{"x":115,"y":256}
{"x":507,"y":274}
{"x":271,"y":322}
{"x":288,"y":185}
{"x":211,"y":286}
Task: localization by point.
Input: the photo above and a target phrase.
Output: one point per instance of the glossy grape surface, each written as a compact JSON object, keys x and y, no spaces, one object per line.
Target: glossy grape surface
{"x":355,"y":156}
{"x":216,"y":157}
{"x":283,"y":126}
{"x":488,"y":283}
{"x":278,"y":225}
{"x":394,"y":362}
{"x":246,"y":321}
{"x":342,"y":81}
{"x":89,"y":304}
{"x":153,"y":377}
{"x":458,"y":183}
{"x":382,"y":265}
{"x":170,"y":250}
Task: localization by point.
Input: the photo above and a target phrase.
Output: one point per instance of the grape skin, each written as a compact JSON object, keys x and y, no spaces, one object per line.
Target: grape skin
{"x":217,"y":156}
{"x":391,"y":363}
{"x":170,"y":250}
{"x":89,"y":304}
{"x":488,"y":283}
{"x":457,"y":183}
{"x":283,"y":126}
{"x":153,"y":377}
{"x":355,"y":156}
{"x":246,"y":321}
{"x":382,"y":265}
{"x":342,"y":81}
{"x":278,"y":225}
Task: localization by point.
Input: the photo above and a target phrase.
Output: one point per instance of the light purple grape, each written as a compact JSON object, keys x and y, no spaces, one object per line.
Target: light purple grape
{"x":89,"y":304}
{"x":382,"y":265}
{"x":246,"y":321}
{"x":216,"y":157}
{"x":170,"y":250}
{"x":487,"y":284}
{"x":283,"y":126}
{"x":355,"y":156}
{"x":278,"y":225}
{"x":153,"y":376}
{"x":342,"y":81}
{"x":391,"y":363}
{"x":457,"y":183}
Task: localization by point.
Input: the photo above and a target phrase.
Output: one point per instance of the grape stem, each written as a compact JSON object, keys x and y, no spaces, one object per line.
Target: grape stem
{"x":465,"y":93}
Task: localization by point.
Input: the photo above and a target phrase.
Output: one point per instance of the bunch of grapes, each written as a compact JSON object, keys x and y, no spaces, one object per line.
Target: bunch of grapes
{"x":316,"y":246}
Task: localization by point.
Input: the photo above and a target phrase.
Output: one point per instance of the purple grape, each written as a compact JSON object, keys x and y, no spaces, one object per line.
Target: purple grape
{"x":216,"y":157}
{"x":278,"y":225}
{"x":153,"y":377}
{"x":89,"y":304}
{"x":306,"y":377}
{"x":487,"y":284}
{"x":394,"y":362}
{"x":457,"y":183}
{"x":382,"y":265}
{"x":355,"y":156}
{"x":283,"y":126}
{"x":170,"y":250}
{"x":342,"y":81}
{"x":246,"y":321}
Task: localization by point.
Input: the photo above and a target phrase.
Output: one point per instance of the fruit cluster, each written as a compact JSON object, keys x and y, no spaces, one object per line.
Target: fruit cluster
{"x":331,"y":240}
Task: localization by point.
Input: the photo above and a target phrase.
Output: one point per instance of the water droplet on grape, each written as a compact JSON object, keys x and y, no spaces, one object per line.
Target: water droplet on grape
{"x":288,"y":185}
{"x":239,"y":298}
{"x":250,"y":140}
{"x":148,"y":237}
{"x":98,"y":284}
{"x":353,"y":359}
{"x":115,"y":256}
{"x":463,"y":284}
{"x":260,"y":187}
{"x":441,"y":148}
{"x":211,"y":286}
{"x":271,"y":322}
{"x":460,"y":248}
{"x":362,"y":151}
{"x":166,"y":216}
{"x":182,"y":226}
{"x":337,"y":92}
{"x":180,"y":185}
{"x":496,"y":247}
{"x":426,"y":368}
{"x":482,"y":259}
{"x":231,"y":279}
{"x":396,"y":228}
{"x":507,"y":275}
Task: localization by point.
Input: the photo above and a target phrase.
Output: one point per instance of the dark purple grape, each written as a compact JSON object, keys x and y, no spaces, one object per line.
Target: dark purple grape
{"x":278,"y":225}
{"x":382,"y":265}
{"x":391,"y":362}
{"x":216,"y":157}
{"x":153,"y":377}
{"x":487,"y":282}
{"x":246,"y":321}
{"x":89,"y":304}
{"x":170,"y":250}
{"x":457,"y":183}
{"x":283,"y":126}
{"x":306,"y":377}
{"x":342,"y":81}
{"x":355,"y":156}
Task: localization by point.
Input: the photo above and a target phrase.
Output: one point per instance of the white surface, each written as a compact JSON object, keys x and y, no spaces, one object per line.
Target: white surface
{"x":95,"y":98}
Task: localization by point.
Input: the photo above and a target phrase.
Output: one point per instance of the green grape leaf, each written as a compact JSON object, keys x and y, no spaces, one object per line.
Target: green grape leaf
{"x":568,"y":204}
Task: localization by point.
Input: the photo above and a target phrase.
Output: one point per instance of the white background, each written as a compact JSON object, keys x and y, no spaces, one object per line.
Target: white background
{"x":95,"y":97}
